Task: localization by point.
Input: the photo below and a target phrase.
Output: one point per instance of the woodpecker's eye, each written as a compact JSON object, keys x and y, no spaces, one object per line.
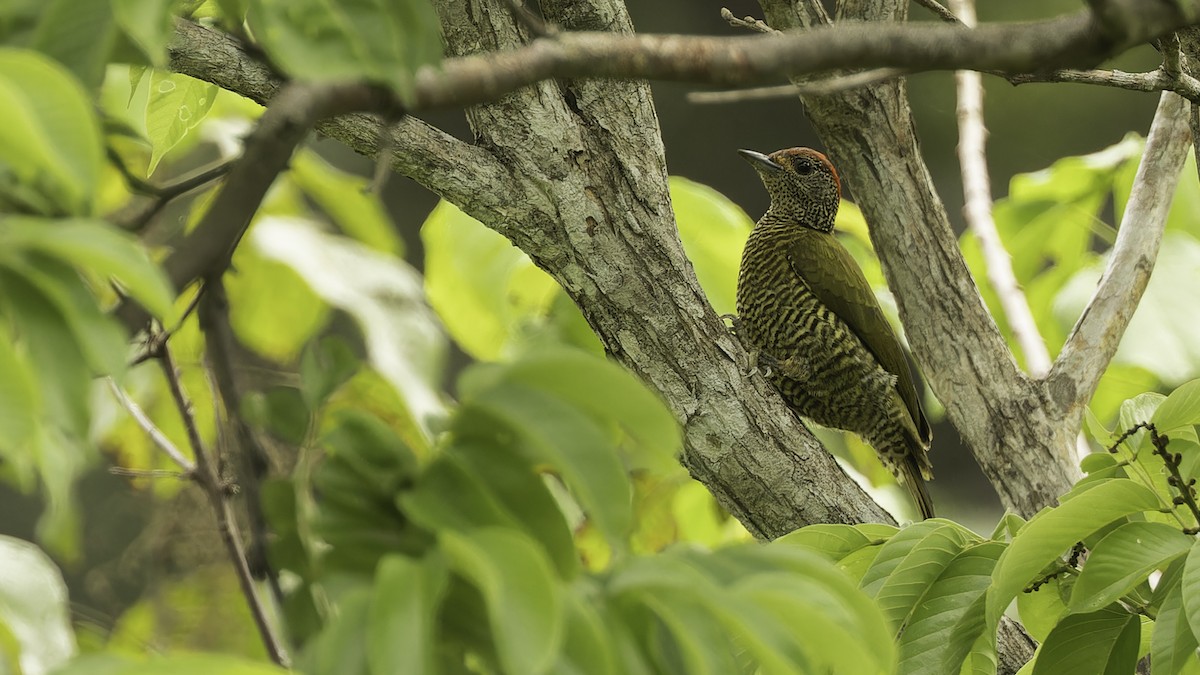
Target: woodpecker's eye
{"x":804,"y":168}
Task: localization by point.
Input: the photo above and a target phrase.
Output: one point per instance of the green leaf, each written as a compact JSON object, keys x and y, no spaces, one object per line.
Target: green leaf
{"x":1173,"y":644}
{"x":929,"y":632}
{"x":175,"y":105}
{"x":325,"y":366}
{"x":348,"y":200}
{"x":713,"y":230}
{"x":551,"y":430}
{"x":1180,"y":409}
{"x":79,"y":34}
{"x":97,"y":335}
{"x":107,"y":663}
{"x":1191,"y":586}
{"x":588,"y":647}
{"x":1053,"y":531}
{"x":832,"y":541}
{"x":99,"y":248}
{"x":265,"y":295}
{"x":605,"y":391}
{"x":384,"y":296}
{"x":33,"y":606}
{"x":523,"y":596}
{"x":1154,"y":340}
{"x":20,"y":401}
{"x":148,"y":25}
{"x":1041,"y":610}
{"x":49,"y":134}
{"x":484,"y":289}
{"x":1104,"y":642}
{"x":403,"y":614}
{"x":341,"y":645}
{"x":64,"y":377}
{"x":384,"y":42}
{"x":909,"y":563}
{"x":1123,"y":559}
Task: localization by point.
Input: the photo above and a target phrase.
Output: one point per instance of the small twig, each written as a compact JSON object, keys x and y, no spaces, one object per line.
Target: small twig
{"x":209,"y":479}
{"x":155,"y":340}
{"x":148,"y":473}
{"x":824,"y":87}
{"x":749,"y":23}
{"x":977,"y":194}
{"x":1159,"y":80}
{"x":137,"y":217}
{"x":941,"y":11}
{"x":1186,"y":489}
{"x":156,"y":435}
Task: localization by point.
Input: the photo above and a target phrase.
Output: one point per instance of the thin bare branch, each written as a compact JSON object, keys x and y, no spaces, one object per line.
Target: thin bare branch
{"x":977,"y":192}
{"x":156,"y":435}
{"x":749,"y":22}
{"x":1096,"y":335}
{"x":1159,"y":80}
{"x":831,"y":85}
{"x":208,"y":476}
{"x":943,"y":13}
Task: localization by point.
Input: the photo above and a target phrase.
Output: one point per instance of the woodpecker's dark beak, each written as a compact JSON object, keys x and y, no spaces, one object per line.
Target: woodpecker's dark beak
{"x":760,"y":161}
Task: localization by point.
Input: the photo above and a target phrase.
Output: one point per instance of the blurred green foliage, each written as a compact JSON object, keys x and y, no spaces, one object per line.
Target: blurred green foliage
{"x":532,"y":518}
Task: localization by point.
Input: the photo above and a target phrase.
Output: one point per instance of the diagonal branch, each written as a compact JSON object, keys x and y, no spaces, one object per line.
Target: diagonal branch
{"x":1095,"y":337}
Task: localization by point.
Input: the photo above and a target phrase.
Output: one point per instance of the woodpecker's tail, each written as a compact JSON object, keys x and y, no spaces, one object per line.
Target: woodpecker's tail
{"x":912,"y":479}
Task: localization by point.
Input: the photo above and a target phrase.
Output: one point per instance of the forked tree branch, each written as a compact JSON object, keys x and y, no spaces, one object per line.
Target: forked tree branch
{"x":1095,"y":337}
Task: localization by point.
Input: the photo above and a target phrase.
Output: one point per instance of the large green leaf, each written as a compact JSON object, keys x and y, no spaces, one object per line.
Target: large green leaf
{"x":1180,"y":409}
{"x":553,"y":431}
{"x":1123,"y":559}
{"x":1104,"y":642}
{"x":1155,"y":339}
{"x":713,"y":230}
{"x":271,"y":308}
{"x":99,"y":248}
{"x":33,"y":606}
{"x":909,"y":563}
{"x":485,"y":290}
{"x":49,"y":135}
{"x":378,"y":40}
{"x":403,"y":614}
{"x":1173,"y":644}
{"x":608,"y":393}
{"x":347,"y":199}
{"x":929,"y":633}
{"x":78,"y":34}
{"x":148,"y":25}
{"x":523,"y":596}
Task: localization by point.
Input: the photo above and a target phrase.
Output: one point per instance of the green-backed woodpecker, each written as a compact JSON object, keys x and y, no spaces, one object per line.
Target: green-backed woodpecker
{"x":809,"y":317}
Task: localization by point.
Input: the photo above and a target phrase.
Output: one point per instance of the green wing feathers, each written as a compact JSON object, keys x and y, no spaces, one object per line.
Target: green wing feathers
{"x":831,"y":273}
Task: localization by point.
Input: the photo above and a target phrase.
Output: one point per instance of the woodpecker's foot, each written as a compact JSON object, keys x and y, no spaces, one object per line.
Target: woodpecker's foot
{"x":791,"y":367}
